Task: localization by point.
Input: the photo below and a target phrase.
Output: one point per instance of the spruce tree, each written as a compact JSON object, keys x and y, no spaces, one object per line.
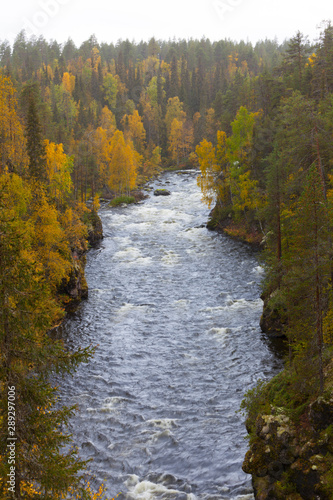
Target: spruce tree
{"x":35,"y":144}
{"x":294,"y":62}
{"x":306,"y":280}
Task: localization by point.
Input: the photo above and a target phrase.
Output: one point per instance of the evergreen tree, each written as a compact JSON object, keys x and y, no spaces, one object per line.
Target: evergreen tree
{"x":35,"y":144}
{"x":174,"y":79}
{"x":322,"y":82}
{"x":294,"y":62}
{"x":307,"y":278}
{"x":28,"y":358}
{"x":57,"y":78}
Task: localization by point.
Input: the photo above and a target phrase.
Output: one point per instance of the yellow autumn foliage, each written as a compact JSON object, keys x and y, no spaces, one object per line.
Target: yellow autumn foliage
{"x":123,"y":170}
{"x":58,"y":167}
{"x":50,"y":242}
{"x":13,"y":154}
{"x":209,"y":170}
{"x":134,"y":130}
{"x":68,"y":82}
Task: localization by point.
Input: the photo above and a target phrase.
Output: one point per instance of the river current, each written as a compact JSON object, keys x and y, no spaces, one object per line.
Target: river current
{"x":174,"y":310}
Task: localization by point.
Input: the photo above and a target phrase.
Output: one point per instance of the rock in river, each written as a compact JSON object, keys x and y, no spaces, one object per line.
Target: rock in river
{"x":161,"y":192}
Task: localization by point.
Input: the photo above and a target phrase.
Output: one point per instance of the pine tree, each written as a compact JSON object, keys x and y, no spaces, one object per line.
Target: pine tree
{"x":174,"y":79}
{"x":307,"y":277}
{"x":322,"y":81}
{"x":294,"y":62}
{"x":35,"y":144}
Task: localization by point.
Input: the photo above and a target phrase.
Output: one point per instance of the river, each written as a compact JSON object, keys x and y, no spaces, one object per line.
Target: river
{"x":174,"y":309}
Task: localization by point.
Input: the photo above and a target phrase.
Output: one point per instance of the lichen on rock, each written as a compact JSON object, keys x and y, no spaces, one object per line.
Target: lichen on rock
{"x":292,"y":459}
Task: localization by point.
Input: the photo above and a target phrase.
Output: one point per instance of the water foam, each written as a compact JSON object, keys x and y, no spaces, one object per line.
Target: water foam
{"x":182,"y":302}
{"x":147,"y":490}
{"x":235,"y":304}
{"x":258,"y":270}
{"x":163,"y":423}
{"x":219,"y":331}
{"x":131,"y":255}
{"x":166,"y":433}
{"x":123,"y":241}
{"x":170,"y":258}
{"x":245,"y":497}
{"x":180,"y":352}
{"x":127,"y":308}
{"x":244,"y":304}
{"x":109,"y":405}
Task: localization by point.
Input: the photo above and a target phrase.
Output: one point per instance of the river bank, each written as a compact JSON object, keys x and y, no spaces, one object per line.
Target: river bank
{"x":221,"y":220}
{"x":75,"y":289}
{"x":291,"y":441}
{"x":289,"y":423}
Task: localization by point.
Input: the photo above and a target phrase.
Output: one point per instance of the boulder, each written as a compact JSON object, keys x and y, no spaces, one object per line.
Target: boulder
{"x":161,"y":192}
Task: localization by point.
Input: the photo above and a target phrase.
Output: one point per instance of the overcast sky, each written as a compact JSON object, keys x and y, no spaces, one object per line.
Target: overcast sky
{"x":142,"y":19}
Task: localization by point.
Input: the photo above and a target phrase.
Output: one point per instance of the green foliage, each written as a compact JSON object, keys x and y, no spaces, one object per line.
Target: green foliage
{"x":122,"y":199}
{"x":279,"y":395}
{"x":226,"y":175}
{"x":35,"y":145}
{"x":285,"y":486}
{"x":254,"y":401}
{"x":110,"y":88}
{"x":219,"y":214}
{"x":283,"y":394}
{"x":35,"y":242}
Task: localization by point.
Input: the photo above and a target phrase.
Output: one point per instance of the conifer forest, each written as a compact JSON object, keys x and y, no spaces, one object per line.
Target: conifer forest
{"x":84,"y":125}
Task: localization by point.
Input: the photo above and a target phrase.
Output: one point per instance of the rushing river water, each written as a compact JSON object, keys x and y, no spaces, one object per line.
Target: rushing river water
{"x":174,"y":309}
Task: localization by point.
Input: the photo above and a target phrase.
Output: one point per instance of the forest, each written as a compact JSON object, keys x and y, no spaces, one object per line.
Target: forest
{"x":99,"y":120}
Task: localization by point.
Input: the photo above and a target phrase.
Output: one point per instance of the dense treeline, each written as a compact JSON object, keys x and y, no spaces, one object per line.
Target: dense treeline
{"x":271,"y":177}
{"x":43,"y":231}
{"x":160,"y":97}
{"x":102,"y":118}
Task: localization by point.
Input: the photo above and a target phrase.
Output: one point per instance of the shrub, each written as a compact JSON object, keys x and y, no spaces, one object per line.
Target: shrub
{"x":122,"y":199}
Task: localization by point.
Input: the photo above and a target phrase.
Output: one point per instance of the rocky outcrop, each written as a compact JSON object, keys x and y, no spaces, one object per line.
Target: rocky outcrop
{"x":222,"y":221}
{"x":95,"y":229}
{"x":321,"y":413}
{"x":272,"y":321}
{"x":162,"y":192}
{"x":75,"y":288}
{"x":292,"y":460}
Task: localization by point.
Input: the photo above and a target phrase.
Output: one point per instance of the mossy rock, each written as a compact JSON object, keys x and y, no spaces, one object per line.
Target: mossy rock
{"x":161,"y":192}
{"x":212,"y":224}
{"x":272,"y":320}
{"x":95,"y":229}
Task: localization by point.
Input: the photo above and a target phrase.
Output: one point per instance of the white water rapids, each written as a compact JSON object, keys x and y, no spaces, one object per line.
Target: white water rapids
{"x":174,"y":309}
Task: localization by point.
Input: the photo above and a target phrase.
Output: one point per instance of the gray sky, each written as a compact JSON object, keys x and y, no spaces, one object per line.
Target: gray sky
{"x":141,"y":19}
